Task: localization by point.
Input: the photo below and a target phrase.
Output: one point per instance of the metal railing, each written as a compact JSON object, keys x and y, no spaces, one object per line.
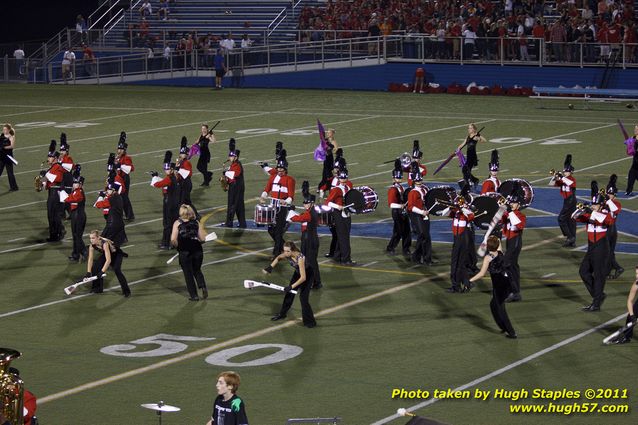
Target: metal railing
{"x":330,"y":53}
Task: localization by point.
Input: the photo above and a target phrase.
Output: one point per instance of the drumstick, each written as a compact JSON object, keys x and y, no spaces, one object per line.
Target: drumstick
{"x":170,"y":260}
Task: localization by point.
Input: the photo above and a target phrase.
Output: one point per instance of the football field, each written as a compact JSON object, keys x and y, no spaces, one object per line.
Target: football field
{"x":383,"y":325}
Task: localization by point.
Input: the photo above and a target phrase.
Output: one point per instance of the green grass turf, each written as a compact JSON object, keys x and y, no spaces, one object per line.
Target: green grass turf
{"x":408,"y":333}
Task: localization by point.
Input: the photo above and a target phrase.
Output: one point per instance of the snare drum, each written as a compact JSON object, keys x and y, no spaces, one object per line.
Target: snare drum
{"x":439,"y":193}
{"x":325,"y":215}
{"x":265,"y":214}
{"x":370,"y":199}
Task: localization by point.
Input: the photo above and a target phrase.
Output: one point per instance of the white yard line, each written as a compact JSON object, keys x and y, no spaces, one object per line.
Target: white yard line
{"x":117,"y":288}
{"x":95,"y":119}
{"x":35,"y":112}
{"x":16,"y":239}
{"x":369,"y":264}
{"x":507,"y":368}
{"x":516,"y":145}
{"x":602,"y":164}
{"x":548,"y":275}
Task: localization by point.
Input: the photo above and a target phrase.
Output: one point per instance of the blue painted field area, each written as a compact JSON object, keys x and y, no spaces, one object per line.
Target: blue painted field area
{"x":546,"y":200}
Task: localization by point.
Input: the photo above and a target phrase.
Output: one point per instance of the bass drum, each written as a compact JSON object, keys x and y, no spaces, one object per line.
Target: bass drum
{"x":364,"y":200}
{"x":440,"y":193}
{"x":527,"y":191}
{"x":265,"y":214}
{"x":485,"y":207}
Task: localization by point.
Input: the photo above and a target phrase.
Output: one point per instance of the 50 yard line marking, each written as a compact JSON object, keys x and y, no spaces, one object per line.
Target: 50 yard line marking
{"x":246,"y":337}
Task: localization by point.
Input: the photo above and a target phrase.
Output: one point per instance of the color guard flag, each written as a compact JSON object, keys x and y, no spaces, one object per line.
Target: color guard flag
{"x":320,"y":152}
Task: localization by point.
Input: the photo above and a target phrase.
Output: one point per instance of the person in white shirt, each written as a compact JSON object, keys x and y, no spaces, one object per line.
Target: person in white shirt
{"x":228,"y":43}
{"x":146,"y":9}
{"x":246,"y":42}
{"x":18,"y":55}
{"x":469,"y":37}
{"x":68,"y":59}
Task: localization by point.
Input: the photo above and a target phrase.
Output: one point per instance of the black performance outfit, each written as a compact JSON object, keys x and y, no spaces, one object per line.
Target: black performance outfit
{"x":304,"y":294}
{"x":204,"y":159}
{"x":471,"y":161}
{"x":128,"y":207}
{"x":117,"y":257}
{"x":565,"y":221}
{"x":78,"y":223}
{"x":633,"y":171}
{"x":231,"y":412}
{"x":501,"y":288}
{"x":191,"y":256}
{"x":5,"y":162}
{"x":114,"y":229}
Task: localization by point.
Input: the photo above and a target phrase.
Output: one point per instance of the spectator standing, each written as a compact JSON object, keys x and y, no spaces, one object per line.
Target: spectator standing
{"x":88,"y":59}
{"x":220,"y":68}
{"x":146,"y":9}
{"x":167,"y":56}
{"x":80,"y":26}
{"x":68,"y":62}
{"x":557,"y":37}
{"x":373,"y":31}
{"x":469,"y":38}
{"x":18,"y":55}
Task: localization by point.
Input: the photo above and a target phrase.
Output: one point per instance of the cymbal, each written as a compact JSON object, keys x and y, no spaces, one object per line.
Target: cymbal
{"x":161,"y":407}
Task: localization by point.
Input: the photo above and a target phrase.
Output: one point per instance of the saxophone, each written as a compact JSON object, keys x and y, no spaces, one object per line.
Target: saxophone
{"x":37,"y":181}
{"x":223,"y":181}
{"x":11,"y":388}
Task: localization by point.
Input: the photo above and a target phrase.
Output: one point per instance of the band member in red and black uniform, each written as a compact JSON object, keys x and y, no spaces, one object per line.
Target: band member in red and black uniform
{"x":595,"y":265}
{"x":112,"y":256}
{"x":170,"y":188}
{"x":567,"y":184}
{"x":341,"y":216}
{"x":513,"y":224}
{"x":111,"y":200}
{"x":235,"y":178}
{"x":126,"y":168}
{"x":185,"y":172}
{"x":309,"y":220}
{"x":492,"y":183}
{"x":417,"y":155}
{"x":52,"y":181}
{"x":401,"y":222}
{"x":76,"y":200}
{"x":419,"y":216}
{"x":462,"y":216}
{"x":205,"y":137}
{"x":7,"y":145}
{"x":613,"y":206}
{"x":281,"y":189}
{"x":66,"y":162}
{"x":331,"y":166}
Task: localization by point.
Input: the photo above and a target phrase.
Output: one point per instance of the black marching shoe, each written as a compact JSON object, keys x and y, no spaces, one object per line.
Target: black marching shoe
{"x":310,"y":325}
{"x":591,"y":307}
{"x":511,"y":336}
{"x":622,"y":340}
{"x":204,"y":292}
{"x":618,"y":272}
{"x":74,"y":259}
{"x":453,"y":290}
{"x":278,"y":316}
{"x":328,"y":255}
{"x":390,"y":251}
{"x":349,"y":263}
{"x":193,"y":299}
{"x":512,"y":298}
{"x":318,"y":285}
{"x":570,"y":243}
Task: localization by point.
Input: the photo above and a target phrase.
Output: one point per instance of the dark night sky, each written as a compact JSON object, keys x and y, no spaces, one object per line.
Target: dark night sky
{"x":26,"y":20}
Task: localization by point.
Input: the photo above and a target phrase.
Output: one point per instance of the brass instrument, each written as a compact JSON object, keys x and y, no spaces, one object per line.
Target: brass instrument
{"x":459,"y":203}
{"x":223,"y":181}
{"x":11,"y":388}
{"x":555,"y":174}
{"x":37,"y":181}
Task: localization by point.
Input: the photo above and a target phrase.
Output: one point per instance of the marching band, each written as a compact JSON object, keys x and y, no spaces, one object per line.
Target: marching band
{"x":498,"y":208}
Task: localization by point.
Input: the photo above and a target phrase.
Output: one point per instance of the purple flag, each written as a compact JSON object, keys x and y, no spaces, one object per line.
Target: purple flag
{"x":194,"y":150}
{"x":631,"y":149}
{"x":321,"y":150}
{"x":461,"y":158}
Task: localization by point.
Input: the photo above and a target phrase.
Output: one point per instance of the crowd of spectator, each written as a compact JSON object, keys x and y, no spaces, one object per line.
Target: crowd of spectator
{"x":484,"y":29}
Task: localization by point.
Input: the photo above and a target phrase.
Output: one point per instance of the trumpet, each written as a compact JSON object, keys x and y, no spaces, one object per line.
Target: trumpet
{"x":555,"y":174}
{"x":223,"y":181}
{"x":458,"y":203}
